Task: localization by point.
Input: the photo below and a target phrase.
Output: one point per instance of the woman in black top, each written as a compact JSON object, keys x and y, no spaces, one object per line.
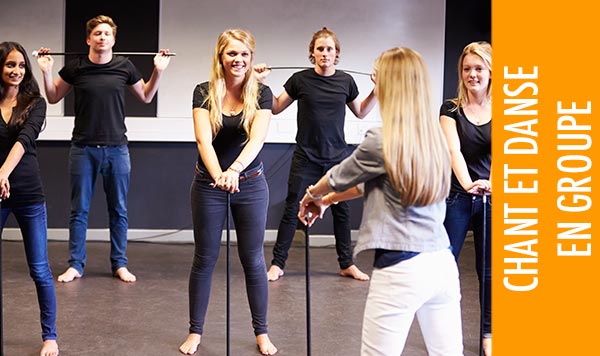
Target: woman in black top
{"x":231,"y":119}
{"x":23,"y":115}
{"x":466,"y":122}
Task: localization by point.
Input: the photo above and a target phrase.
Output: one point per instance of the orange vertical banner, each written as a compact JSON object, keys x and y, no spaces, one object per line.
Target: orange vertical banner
{"x":546,"y":246}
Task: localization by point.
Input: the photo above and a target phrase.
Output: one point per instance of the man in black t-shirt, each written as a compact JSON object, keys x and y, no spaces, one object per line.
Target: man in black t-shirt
{"x":322,"y":94}
{"x":99,"y":144}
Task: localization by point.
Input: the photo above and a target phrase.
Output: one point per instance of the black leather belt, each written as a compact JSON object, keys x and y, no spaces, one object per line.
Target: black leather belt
{"x":244,"y":177}
{"x":94,"y":146}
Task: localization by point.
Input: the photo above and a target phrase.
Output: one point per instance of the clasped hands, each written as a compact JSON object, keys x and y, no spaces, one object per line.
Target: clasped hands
{"x":311,"y":208}
{"x":228,"y":181}
{"x":480,"y":187}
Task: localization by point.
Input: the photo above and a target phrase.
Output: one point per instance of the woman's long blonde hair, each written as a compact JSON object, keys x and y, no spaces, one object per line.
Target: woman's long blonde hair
{"x":217,"y":88}
{"x":416,"y":155}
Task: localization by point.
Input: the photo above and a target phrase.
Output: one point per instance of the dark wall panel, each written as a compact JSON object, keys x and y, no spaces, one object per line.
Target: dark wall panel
{"x":161,"y":174}
{"x":137,"y":31}
{"x":466,"y":21}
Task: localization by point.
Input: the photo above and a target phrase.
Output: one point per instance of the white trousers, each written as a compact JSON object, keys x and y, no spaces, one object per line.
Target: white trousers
{"x":426,"y":285}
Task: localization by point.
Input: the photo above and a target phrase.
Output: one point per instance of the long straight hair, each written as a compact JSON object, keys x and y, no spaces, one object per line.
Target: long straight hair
{"x":416,"y":155}
{"x":29,"y":90}
{"x":217,"y":88}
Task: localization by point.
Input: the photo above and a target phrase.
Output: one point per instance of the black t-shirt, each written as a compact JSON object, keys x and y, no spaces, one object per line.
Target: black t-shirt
{"x":100,"y":99}
{"x":475,"y":145}
{"x":321,"y":113}
{"x":25,"y":180}
{"x":229,"y":141}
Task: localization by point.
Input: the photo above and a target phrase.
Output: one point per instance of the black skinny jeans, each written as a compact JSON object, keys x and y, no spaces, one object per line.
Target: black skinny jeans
{"x":302,"y":174}
{"x":249,"y":212}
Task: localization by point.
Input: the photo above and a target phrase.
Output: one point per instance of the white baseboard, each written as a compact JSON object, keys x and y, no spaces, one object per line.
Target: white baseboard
{"x":168,"y":236}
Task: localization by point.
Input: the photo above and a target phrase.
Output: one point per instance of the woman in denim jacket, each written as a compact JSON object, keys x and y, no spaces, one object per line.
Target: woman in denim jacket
{"x":403,"y":172}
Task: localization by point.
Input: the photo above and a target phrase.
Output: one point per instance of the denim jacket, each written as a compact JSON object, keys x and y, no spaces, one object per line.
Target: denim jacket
{"x":386,"y":222}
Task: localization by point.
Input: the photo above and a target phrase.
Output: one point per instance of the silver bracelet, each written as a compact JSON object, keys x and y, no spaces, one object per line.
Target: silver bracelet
{"x":233,"y":169}
{"x":313,"y":197}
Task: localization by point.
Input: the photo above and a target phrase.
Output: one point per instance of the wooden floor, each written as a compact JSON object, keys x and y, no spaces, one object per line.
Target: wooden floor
{"x":99,"y":315}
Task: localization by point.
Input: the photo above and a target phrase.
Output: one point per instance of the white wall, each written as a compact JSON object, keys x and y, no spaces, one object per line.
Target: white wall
{"x":36,"y":23}
{"x":282,"y":30}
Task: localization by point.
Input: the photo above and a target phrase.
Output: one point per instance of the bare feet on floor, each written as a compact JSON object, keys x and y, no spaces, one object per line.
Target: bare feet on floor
{"x":190,"y":345}
{"x":124,"y":275}
{"x":274,"y":273}
{"x":69,"y":275}
{"x":487,"y":346}
{"x":49,"y":348}
{"x":265,"y":346}
{"x":354,"y":272}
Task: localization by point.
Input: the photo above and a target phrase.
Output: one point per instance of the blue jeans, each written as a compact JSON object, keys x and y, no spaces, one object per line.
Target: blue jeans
{"x":249,"y":212}
{"x":86,"y":163}
{"x":302,"y":174}
{"x":32,"y":221}
{"x":464,"y":210}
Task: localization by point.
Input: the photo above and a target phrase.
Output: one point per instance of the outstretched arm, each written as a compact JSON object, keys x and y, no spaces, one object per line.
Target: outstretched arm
{"x":145,"y":91}
{"x":459,"y":165}
{"x":204,"y":137}
{"x":13,"y":158}
{"x":55,"y":90}
{"x":258,"y":134}
{"x":280,"y":102}
{"x":362,"y":108}
{"x":313,"y":206}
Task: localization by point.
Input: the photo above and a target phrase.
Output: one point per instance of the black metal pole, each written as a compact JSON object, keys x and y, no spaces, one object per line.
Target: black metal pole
{"x":1,"y":305}
{"x":36,"y":54}
{"x":298,"y":68}
{"x":482,"y":282}
{"x":228,"y":275}
{"x":307,"y":267}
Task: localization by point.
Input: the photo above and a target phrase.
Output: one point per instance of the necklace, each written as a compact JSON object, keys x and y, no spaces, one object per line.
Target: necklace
{"x":472,"y":115}
{"x":232,"y":107}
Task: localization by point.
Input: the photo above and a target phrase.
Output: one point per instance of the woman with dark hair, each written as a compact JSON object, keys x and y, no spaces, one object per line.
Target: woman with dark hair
{"x":231,"y":114}
{"x":23,"y":112}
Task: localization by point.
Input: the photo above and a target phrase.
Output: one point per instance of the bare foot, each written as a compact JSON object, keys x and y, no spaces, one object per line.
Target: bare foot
{"x":265,"y":346}
{"x":487,"y":346}
{"x":124,"y":275}
{"x":69,"y":275}
{"x":354,"y":272}
{"x":274,"y":273}
{"x":190,"y":345}
{"x":49,"y":348}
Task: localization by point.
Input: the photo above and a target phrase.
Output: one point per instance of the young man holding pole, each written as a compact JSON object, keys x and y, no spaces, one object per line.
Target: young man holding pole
{"x":99,"y":143}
